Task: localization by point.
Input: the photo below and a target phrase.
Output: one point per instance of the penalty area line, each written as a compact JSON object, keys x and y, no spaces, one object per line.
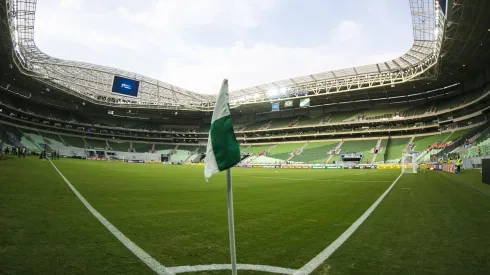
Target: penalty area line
{"x":135,"y":249}
{"x":323,"y":256}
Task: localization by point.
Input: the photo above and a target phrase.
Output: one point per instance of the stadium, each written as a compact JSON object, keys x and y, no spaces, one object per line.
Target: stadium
{"x":375,"y":169}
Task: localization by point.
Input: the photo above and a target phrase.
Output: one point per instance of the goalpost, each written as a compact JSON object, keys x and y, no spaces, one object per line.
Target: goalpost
{"x":409,"y":166}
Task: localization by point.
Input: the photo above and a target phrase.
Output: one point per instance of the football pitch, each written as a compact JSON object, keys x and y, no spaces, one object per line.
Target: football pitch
{"x":428,"y":223}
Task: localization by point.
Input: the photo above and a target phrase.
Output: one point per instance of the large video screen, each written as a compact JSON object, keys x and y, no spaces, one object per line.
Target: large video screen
{"x":275,"y":106}
{"x":124,"y":86}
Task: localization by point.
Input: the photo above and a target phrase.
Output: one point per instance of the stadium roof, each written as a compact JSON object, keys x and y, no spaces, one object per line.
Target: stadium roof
{"x":93,"y":82}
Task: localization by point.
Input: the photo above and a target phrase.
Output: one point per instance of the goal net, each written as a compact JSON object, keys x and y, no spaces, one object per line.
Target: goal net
{"x":409,"y":166}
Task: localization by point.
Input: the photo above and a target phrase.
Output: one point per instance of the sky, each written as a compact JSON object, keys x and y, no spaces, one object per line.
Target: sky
{"x":194,"y":44}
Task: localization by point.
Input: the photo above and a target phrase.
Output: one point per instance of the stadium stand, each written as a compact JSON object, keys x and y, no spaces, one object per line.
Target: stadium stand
{"x":119,"y":146}
{"x":20,"y":139}
{"x":380,"y":156}
{"x":266,"y":160}
{"x":142,"y":147}
{"x":180,"y":156}
{"x":305,"y":120}
{"x":258,"y":149}
{"x":160,"y":147}
{"x":96,"y":143}
{"x":386,"y":113}
{"x":284,"y":151}
{"x":315,"y":152}
{"x":260,"y":125}
{"x":74,"y":141}
{"x":53,"y":141}
{"x":51,"y":137}
{"x":394,"y":149}
{"x":364,"y":147}
{"x":343,"y":116}
{"x":422,"y":143}
{"x":189,"y":148}
{"x":456,"y":135}
{"x":35,"y":138}
{"x":283,"y":122}
{"x":415,"y":111}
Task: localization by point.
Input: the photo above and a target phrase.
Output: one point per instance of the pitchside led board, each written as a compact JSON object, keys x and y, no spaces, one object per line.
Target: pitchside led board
{"x":125,"y":86}
{"x":304,"y":102}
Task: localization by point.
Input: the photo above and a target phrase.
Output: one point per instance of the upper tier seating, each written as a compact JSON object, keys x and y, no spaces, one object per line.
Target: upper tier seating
{"x":343,"y":117}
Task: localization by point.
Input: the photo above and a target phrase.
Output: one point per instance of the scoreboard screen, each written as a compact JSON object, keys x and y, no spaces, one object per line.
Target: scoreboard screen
{"x":275,"y":106}
{"x":125,"y":86}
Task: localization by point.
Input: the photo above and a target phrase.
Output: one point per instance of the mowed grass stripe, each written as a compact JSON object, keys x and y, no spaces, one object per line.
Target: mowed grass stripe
{"x":426,"y":225}
{"x":135,"y":249}
{"x":179,"y":219}
{"x":44,"y":229}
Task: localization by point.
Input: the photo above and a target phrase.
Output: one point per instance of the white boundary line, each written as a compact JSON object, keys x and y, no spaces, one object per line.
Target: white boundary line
{"x":160,"y":269}
{"x":140,"y":253}
{"x":320,"y":258}
{"x":263,"y":268}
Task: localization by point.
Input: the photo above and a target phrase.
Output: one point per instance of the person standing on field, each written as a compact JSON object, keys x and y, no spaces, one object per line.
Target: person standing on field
{"x":458,"y":165}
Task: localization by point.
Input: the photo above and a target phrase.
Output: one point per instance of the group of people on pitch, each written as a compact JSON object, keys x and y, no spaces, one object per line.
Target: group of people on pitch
{"x":16,"y":151}
{"x":458,"y":163}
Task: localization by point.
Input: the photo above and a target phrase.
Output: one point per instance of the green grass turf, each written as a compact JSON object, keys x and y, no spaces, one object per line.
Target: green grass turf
{"x":430,"y":223}
{"x":282,"y":217}
{"x":173,"y":214}
{"x":44,"y":229}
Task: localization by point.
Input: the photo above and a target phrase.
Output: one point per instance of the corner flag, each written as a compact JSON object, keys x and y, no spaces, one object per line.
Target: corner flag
{"x":223,"y":151}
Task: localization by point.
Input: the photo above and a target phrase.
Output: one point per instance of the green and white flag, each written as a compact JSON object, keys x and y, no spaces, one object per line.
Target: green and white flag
{"x":223,"y":151}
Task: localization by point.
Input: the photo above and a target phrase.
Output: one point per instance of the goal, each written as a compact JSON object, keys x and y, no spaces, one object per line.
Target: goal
{"x":409,"y":166}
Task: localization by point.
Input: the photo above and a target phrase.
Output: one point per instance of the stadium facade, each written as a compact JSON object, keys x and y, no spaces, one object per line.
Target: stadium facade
{"x":432,"y":97}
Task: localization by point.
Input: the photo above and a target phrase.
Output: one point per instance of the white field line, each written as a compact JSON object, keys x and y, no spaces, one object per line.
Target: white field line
{"x":322,"y":180}
{"x":320,"y":258}
{"x":140,"y":253}
{"x":362,"y":173}
{"x":263,"y":268}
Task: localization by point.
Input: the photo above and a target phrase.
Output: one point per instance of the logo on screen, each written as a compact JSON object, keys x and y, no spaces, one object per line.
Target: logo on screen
{"x":126,"y":86}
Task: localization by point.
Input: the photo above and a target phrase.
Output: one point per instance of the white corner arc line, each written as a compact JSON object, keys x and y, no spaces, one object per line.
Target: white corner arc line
{"x":211,"y":267}
{"x":323,"y":256}
{"x":135,"y":249}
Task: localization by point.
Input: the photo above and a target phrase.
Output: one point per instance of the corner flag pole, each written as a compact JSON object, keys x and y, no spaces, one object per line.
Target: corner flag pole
{"x":231,"y":223}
